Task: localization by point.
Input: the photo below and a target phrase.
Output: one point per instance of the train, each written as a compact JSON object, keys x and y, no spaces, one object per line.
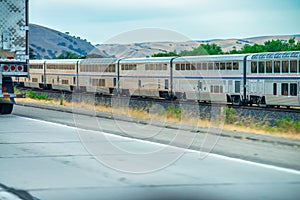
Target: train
{"x":263,"y":79}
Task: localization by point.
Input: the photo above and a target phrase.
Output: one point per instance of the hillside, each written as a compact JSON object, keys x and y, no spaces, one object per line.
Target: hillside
{"x":47,"y":43}
{"x":149,"y":48}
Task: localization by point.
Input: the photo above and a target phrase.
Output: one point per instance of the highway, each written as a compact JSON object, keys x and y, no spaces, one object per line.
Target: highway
{"x":57,"y":155}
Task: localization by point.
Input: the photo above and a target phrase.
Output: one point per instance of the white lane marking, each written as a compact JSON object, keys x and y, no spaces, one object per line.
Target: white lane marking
{"x":164,"y":145}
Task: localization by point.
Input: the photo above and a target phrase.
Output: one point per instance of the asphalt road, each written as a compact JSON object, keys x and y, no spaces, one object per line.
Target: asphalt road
{"x":55,"y":155}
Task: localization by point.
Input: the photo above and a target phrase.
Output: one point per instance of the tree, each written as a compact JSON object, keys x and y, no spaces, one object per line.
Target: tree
{"x":68,"y":55}
{"x":270,"y":46}
{"x":203,"y":49}
{"x":169,"y":54}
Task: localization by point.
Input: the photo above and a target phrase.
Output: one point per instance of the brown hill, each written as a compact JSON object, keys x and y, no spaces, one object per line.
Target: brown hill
{"x":149,"y":48}
{"x":48,"y":43}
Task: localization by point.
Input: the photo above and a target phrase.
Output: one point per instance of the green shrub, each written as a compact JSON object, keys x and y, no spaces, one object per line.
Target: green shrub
{"x":230,"y":116}
{"x":33,"y":95}
{"x":173,"y":112}
{"x":287,"y":125}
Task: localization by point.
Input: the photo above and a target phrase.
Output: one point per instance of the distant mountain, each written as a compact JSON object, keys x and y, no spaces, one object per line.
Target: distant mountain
{"x":149,"y":48}
{"x":48,"y":43}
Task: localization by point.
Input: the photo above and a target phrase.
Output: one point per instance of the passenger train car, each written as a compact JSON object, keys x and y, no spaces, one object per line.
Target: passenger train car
{"x":265,"y":79}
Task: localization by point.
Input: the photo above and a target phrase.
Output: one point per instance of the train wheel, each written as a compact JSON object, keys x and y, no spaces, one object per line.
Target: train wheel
{"x":6,"y":108}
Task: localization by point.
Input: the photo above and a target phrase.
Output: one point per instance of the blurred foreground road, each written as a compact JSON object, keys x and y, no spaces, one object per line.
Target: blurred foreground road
{"x":51,"y":161}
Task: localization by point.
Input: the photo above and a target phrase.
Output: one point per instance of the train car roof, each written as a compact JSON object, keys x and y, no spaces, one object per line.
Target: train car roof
{"x":272,"y":55}
{"x":145,"y":60}
{"x":55,"y":61}
{"x":211,"y":58}
{"x":99,"y":60}
{"x":36,"y":61}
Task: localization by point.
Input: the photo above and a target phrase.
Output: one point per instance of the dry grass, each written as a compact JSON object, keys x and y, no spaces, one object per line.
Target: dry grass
{"x":143,"y":114}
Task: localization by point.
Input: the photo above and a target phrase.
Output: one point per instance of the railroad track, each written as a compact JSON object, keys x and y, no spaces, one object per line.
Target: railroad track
{"x":68,"y":95}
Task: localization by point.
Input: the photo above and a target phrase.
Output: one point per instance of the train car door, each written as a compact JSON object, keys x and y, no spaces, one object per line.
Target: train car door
{"x":115,"y":82}
{"x":166,"y":84}
{"x":260,"y":87}
{"x":237,"y":86}
{"x":199,"y":88}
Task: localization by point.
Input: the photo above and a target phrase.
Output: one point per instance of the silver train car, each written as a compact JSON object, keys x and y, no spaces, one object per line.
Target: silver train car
{"x":264,"y":79}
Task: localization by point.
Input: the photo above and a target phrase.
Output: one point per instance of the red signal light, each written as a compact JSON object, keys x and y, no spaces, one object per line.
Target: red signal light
{"x":5,"y":67}
{"x":12,"y":68}
{"x":20,"y":68}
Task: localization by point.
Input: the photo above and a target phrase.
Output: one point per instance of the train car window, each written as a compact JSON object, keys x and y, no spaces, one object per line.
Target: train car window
{"x":74,"y":80}
{"x":198,"y":66}
{"x":134,"y":67}
{"x":229,"y":66}
{"x":34,"y":80}
{"x":188,"y":66}
{"x":102,"y":82}
{"x":61,"y":66}
{"x":217,"y":89}
{"x":235,"y":66}
{"x":293,"y":66}
{"x":182,"y":66}
{"x":177,"y":66}
{"x":285,"y":66}
{"x":253,"y":67}
{"x":221,"y":89}
{"x":210,"y":66}
{"x":193,"y":67}
{"x":106,"y":69}
{"x":139,"y":83}
{"x":64,"y":82}
{"x":98,"y":82}
{"x":148,"y":66}
{"x":269,"y":66}
{"x":204,"y":66}
{"x":153,"y":67}
{"x":159,"y":67}
{"x":293,"y":89}
{"x":130,"y":66}
{"x":284,"y":89}
{"x":113,"y":68}
{"x":261,"y":67}
{"x":57,"y":79}
{"x":274,"y":88}
{"x":217,"y":66}
{"x":212,"y":89}
{"x":165,"y":66}
{"x":276,"y":66}
{"x":222,"y":66}
{"x":36,"y":66}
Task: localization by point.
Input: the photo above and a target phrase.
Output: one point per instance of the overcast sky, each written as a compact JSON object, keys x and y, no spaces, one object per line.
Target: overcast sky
{"x":101,"y":21}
